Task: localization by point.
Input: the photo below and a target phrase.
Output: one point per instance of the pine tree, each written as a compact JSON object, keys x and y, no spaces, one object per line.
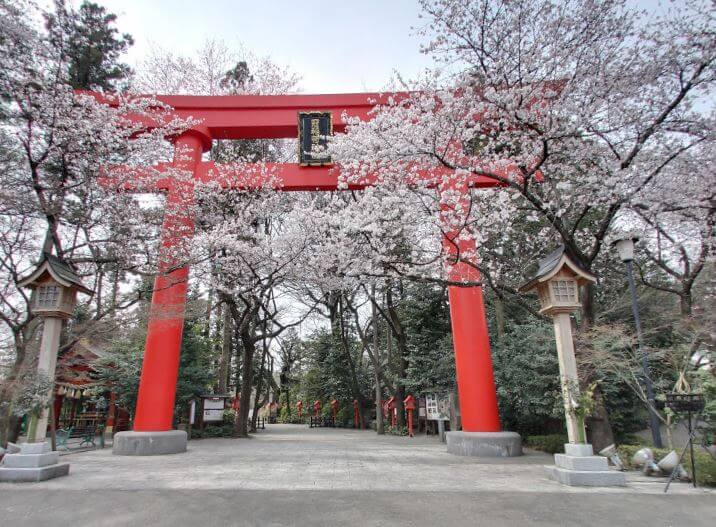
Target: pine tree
{"x":93,"y":47}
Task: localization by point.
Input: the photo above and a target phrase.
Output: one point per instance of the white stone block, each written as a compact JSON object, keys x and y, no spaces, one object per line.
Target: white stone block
{"x":581,"y":478}
{"x":34,"y":448}
{"x":581,"y":463}
{"x":31,"y":460}
{"x":34,"y":474}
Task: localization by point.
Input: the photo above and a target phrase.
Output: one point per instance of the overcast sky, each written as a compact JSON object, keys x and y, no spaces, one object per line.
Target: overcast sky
{"x":336,"y":46}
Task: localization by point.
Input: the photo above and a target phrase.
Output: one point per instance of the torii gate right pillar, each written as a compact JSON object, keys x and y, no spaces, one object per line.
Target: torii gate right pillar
{"x":481,"y":433}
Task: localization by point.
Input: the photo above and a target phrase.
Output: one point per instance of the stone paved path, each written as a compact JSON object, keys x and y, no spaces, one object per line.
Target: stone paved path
{"x":293,"y":475}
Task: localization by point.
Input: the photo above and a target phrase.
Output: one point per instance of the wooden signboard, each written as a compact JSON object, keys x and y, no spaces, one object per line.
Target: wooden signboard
{"x":314,"y":130}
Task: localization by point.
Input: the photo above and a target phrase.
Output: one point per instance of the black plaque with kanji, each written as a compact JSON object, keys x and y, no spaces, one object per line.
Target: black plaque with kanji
{"x":314,"y":129}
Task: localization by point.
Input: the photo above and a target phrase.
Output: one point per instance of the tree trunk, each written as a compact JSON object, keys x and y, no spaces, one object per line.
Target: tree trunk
{"x":242,"y":418}
{"x":341,"y":340}
{"x":588,"y":308}
{"x":402,"y":363}
{"x":288,"y":401}
{"x":685,"y":303}
{"x":355,"y":387}
{"x":259,"y":386}
{"x":599,"y":429}
{"x":225,"y":351}
{"x":499,"y":316}
{"x":379,"y":428}
{"x":209,"y":308}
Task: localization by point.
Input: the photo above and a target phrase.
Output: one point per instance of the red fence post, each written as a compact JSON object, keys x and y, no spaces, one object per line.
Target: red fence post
{"x":334,"y":410}
{"x":409,"y":403}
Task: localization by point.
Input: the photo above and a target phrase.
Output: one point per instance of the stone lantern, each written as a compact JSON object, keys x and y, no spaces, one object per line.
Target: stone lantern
{"x":55,"y":285}
{"x":557,"y":283}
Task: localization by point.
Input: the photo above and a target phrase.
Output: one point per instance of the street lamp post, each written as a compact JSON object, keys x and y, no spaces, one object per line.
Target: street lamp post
{"x":625,"y":248}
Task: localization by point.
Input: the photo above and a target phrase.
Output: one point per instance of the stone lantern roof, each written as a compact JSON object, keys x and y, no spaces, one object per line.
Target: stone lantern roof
{"x":552,"y":264}
{"x":59,"y":270}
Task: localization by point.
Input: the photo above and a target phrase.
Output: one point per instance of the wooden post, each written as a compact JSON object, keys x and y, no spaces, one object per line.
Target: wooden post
{"x":46,"y":364}
{"x":568,"y":374}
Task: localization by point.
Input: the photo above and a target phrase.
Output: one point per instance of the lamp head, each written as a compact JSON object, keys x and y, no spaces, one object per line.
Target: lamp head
{"x":625,"y":247}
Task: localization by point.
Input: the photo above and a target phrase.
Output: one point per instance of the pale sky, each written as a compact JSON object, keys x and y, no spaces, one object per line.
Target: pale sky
{"x":335,"y":46}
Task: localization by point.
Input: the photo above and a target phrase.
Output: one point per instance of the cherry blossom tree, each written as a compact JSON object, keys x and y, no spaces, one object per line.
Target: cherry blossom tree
{"x":583,"y":111}
{"x":54,"y":142}
{"x":588,"y":104}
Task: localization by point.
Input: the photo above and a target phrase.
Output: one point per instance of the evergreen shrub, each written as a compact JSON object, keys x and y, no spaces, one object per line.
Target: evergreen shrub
{"x":550,"y":443}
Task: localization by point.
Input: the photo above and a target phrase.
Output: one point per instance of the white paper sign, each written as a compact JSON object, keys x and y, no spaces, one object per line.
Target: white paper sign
{"x":437,"y":407}
{"x":213,"y":404}
{"x":213,"y":415}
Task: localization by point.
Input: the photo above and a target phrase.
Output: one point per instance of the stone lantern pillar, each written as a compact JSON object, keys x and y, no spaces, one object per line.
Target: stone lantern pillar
{"x":557,"y":283}
{"x":55,"y":285}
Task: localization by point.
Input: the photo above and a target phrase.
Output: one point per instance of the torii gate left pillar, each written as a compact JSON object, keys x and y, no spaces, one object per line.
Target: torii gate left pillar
{"x":153,"y":434}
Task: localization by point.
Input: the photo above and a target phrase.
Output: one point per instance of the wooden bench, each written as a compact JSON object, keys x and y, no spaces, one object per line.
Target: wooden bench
{"x":88,"y":434}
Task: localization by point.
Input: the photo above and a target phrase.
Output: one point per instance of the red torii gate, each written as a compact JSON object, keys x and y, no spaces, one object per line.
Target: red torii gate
{"x":272,"y":117}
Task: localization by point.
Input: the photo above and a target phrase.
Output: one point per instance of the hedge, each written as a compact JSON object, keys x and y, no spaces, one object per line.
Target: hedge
{"x":551,"y":443}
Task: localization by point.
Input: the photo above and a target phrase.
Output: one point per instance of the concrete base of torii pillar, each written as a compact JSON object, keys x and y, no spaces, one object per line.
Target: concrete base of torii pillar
{"x":482,"y":435}
{"x":484,"y":444}
{"x":133,"y":443}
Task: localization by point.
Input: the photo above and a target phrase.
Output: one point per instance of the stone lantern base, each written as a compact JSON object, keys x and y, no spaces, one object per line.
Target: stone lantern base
{"x":579,"y":467}
{"x":32,"y":462}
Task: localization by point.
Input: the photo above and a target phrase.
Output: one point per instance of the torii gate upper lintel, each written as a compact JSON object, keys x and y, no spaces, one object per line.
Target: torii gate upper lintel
{"x":271,"y":117}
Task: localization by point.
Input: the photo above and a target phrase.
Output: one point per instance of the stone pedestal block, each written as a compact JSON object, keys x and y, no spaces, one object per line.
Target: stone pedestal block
{"x":33,"y":462}
{"x":20,"y":475}
{"x":579,"y":467}
{"x":149,"y":443}
{"x":578,"y":449}
{"x":484,"y":444}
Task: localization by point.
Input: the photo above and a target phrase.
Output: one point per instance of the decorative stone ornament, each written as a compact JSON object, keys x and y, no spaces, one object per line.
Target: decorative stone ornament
{"x":32,"y":462}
